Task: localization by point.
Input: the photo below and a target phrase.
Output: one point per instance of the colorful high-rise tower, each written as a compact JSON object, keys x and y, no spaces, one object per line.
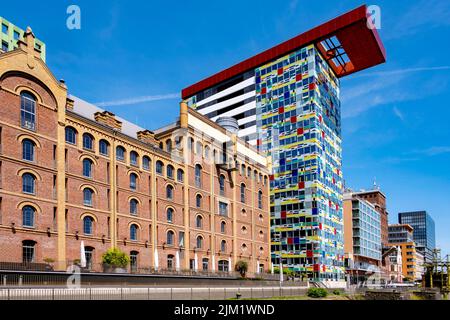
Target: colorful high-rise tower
{"x":286,"y":101}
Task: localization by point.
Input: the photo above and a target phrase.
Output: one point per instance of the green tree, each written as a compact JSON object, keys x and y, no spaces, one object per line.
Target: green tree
{"x":115,"y":258}
{"x":241,"y":267}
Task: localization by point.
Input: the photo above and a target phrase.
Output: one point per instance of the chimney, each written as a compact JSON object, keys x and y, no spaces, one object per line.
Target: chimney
{"x":109,"y":119}
{"x":147,"y":136}
{"x":69,"y":103}
{"x":28,"y":43}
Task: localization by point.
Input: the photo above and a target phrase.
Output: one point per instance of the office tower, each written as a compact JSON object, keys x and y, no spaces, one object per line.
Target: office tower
{"x":286,"y":101}
{"x":424,"y":231}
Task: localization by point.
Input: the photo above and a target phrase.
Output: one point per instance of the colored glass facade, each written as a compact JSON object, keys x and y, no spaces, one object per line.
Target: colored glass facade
{"x":9,"y":34}
{"x":298,"y":124}
{"x":424,"y":231}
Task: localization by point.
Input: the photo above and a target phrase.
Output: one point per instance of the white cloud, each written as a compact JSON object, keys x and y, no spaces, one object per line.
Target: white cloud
{"x":136,"y":100}
{"x":398,"y":113}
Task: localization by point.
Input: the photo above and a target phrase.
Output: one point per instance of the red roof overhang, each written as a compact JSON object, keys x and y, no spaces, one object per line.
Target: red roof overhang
{"x":361,"y":44}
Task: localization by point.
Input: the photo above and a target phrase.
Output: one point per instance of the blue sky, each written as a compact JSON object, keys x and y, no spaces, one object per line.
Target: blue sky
{"x":395,"y":116}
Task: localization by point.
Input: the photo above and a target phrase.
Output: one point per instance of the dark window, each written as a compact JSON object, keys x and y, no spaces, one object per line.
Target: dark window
{"x":28,"y":183}
{"x":146,"y":162}
{"x":87,"y":197}
{"x":222,"y":185}
{"x":199,"y":222}
{"x":134,"y":206}
{"x":134,"y":158}
{"x":71,"y":135}
{"x":28,"y":251}
{"x":134,"y":260}
{"x":223,"y":226}
{"x":28,"y":150}
{"x":120,"y":153}
{"x":205,"y":263}
{"x":223,"y":246}
{"x":28,"y":213}
{"x":88,"y":141}
{"x":180,"y":175}
{"x":243,"y":193}
{"x":169,"y":215}
{"x":170,"y":171}
{"x":169,"y":192}
{"x":159,"y":167}
{"x":223,"y":266}
{"x":89,"y":254}
{"x":88,"y":223}
{"x":87,"y":168}
{"x":170,"y":259}
{"x":260,"y":200}
{"x":170,"y":238}
{"x":103,"y":147}
{"x":134,"y":232}
{"x":198,"y":201}
{"x":198,"y":176}
{"x":133,"y":181}
{"x":5,"y":46}
{"x":199,"y":242}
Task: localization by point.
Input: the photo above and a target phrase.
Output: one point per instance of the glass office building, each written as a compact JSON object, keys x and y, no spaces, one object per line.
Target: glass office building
{"x":423,"y":233}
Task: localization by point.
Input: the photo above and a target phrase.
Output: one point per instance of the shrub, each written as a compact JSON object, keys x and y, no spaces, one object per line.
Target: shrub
{"x":115,"y":258}
{"x":317,"y":293}
{"x":241,"y":267}
{"x":336,"y":292}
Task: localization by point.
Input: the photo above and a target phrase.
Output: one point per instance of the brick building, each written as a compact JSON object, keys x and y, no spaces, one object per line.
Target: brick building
{"x":190,"y":195}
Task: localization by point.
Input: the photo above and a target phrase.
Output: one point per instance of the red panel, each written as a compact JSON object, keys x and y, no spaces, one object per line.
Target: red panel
{"x":300,"y":131}
{"x":309,"y":253}
{"x":362,"y":45}
{"x":312,"y":86}
{"x":280,"y":110}
{"x":290,"y":240}
{"x":301,"y":185}
{"x":293,"y":119}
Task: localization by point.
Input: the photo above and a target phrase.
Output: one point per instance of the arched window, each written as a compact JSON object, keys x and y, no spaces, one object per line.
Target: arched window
{"x":223,"y":266}
{"x":223,"y":226}
{"x":88,"y":224}
{"x":71,"y":135}
{"x":134,"y":158}
{"x":191,"y":144}
{"x":169,"y":192}
{"x":206,"y":152}
{"x":134,"y":232}
{"x":28,"y":251}
{"x":103,"y":147}
{"x":170,"y":238}
{"x":260,"y":199}
{"x":222,"y":184}
{"x":159,"y":167}
{"x":198,"y":176}
{"x":170,"y":259}
{"x":223,"y":246}
{"x":199,"y":242}
{"x":199,"y":222}
{"x":134,"y":206}
{"x":28,"y":213}
{"x":169,"y":145}
{"x":243,"y":169}
{"x":198,"y":148}
{"x":180,"y":175}
{"x":134,"y":261}
{"x":28,"y":183}
{"x":87,"y":168}
{"x":242,"y":193}
{"x":89,"y":254}
{"x":169,"y":215}
{"x":198,"y":200}
{"x":87,"y":197}
{"x":146,"y":163}
{"x":265,"y":180}
{"x":28,"y":150}
{"x":120,"y":153}
{"x":249,"y":172}
{"x":170,"y":170}
{"x":28,"y":111}
{"x":205,"y":263}
{"x":133,"y":181}
{"x":88,"y":141}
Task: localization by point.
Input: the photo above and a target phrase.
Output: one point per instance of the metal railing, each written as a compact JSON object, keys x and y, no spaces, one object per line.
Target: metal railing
{"x":95,"y":293}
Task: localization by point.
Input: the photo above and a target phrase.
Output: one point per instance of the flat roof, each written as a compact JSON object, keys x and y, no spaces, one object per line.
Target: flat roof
{"x":361,"y":45}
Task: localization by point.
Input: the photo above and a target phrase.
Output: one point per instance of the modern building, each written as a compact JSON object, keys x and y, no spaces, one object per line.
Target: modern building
{"x":286,"y":101}
{"x":424,"y":231}
{"x":400,"y":235}
{"x":362,"y":237}
{"x":11,"y":34}
{"x":77,"y":178}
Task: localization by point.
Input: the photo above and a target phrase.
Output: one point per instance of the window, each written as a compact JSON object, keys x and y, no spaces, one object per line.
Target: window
{"x":28,"y":213}
{"x":170,"y":170}
{"x":206,"y":152}
{"x":198,"y":176}
{"x":71,"y":135}
{"x":205,"y":263}
{"x":28,"y":251}
{"x":103,"y":147}
{"x":169,"y":215}
{"x":87,"y":197}
{"x":134,"y":206}
{"x":88,"y":224}
{"x":120,"y":153}
{"x":223,"y":246}
{"x":169,"y":192}
{"x":243,"y":169}
{"x":243,"y":193}
{"x":88,"y":141}
{"x":170,"y":238}
{"x":222,"y":185}
{"x":198,"y":148}
{"x":28,"y":111}
{"x":89,"y":254}
{"x":169,"y":145}
{"x":4,"y":28}
{"x":134,"y":260}
{"x":146,"y":163}
{"x":16,"y":35}
{"x":87,"y":168}
{"x":199,"y":242}
{"x":28,"y":183}
{"x":198,"y":200}
{"x":5,"y":47}
{"x":249,"y":172}
{"x":133,"y":181}
{"x":180,"y":175}
{"x":159,"y":167}
{"x":28,"y":150}
{"x":260,"y":199}
{"x":223,"y":209}
{"x":223,"y":226}
{"x":191,"y":144}
{"x":223,"y":266}
{"x":199,"y":222}
{"x":134,"y":232}
{"x":170,"y":259}
{"x":134,"y":158}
